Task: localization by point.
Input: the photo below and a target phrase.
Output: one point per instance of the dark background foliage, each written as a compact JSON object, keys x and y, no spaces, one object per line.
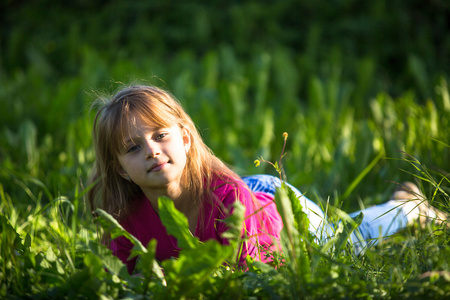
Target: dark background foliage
{"x":396,"y":34}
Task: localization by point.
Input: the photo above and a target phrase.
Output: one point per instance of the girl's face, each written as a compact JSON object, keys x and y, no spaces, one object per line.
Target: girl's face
{"x":154,"y":158}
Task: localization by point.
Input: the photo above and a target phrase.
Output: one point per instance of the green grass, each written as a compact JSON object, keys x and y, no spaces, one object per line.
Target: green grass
{"x":344,"y":148}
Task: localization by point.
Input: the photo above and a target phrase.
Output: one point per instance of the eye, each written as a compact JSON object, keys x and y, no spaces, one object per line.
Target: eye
{"x":133,"y":148}
{"x":160,"y":136}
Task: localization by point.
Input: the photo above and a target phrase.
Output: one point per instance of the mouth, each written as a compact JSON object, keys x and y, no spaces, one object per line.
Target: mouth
{"x":156,"y":167}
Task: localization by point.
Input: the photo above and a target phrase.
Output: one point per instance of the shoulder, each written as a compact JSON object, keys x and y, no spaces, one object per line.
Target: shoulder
{"x":229,"y":189}
{"x":220,"y":195}
{"x":224,"y":192}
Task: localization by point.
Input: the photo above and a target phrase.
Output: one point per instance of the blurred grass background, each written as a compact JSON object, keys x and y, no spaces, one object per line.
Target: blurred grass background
{"x":351,"y":81}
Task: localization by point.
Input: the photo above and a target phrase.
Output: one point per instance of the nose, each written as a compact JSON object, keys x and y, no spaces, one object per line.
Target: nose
{"x":152,"y":149}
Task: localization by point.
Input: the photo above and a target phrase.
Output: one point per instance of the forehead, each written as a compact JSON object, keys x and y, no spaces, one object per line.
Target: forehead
{"x":137,"y":123}
{"x":137,"y":128}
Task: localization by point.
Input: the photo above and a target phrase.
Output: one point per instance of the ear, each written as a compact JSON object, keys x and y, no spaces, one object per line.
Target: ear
{"x":186,"y":139}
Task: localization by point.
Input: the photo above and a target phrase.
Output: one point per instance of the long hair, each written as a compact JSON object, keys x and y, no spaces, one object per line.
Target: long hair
{"x":157,"y":108}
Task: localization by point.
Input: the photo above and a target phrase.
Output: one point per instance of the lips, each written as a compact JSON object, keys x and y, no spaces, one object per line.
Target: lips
{"x":156,"y":167}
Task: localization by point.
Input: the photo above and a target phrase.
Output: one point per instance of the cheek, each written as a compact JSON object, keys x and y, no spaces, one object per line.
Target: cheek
{"x":184,"y":167}
{"x":126,"y":164}
{"x":182,"y":158}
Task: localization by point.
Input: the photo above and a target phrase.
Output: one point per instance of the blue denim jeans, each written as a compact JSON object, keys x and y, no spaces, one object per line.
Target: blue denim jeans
{"x":378,"y":221}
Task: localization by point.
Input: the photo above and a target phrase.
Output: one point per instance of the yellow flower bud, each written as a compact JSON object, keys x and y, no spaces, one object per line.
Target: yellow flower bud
{"x":285,"y":135}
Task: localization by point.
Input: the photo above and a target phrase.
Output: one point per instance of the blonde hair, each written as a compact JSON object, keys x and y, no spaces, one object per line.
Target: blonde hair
{"x":154,"y":107}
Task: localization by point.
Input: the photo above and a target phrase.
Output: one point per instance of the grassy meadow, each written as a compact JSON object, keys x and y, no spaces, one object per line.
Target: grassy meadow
{"x":357,"y":126}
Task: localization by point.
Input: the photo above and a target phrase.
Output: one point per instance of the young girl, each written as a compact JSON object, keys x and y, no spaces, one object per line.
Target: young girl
{"x":147,"y":147}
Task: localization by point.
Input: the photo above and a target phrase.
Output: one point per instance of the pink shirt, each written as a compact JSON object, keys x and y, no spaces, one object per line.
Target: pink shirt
{"x":145,"y":225}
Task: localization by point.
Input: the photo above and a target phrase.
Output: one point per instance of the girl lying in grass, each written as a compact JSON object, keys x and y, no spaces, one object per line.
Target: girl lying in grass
{"x":147,"y":147}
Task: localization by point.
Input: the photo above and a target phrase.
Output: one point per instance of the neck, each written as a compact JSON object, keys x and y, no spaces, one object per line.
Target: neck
{"x":182,"y":201}
{"x":178,"y":195}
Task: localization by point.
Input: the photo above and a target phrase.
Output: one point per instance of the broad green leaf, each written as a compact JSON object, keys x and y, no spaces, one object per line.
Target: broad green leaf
{"x":112,"y":263}
{"x":235,"y":222}
{"x":148,"y":264}
{"x":27,"y":242}
{"x":176,"y":223}
{"x":187,"y":273}
{"x":262,"y":266}
{"x":94,"y":263}
{"x":113,"y":227}
{"x":50,"y":255}
{"x":344,"y":231}
{"x":9,"y":237}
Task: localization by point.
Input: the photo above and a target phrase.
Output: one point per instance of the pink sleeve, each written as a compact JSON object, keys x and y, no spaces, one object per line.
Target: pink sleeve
{"x":262,"y":222}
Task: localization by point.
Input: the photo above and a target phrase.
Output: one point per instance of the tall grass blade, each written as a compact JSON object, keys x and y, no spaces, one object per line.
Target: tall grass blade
{"x":361,"y":175}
